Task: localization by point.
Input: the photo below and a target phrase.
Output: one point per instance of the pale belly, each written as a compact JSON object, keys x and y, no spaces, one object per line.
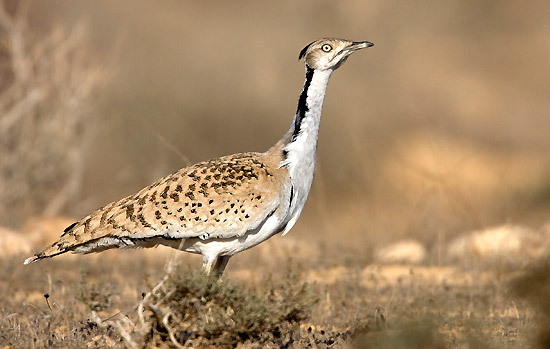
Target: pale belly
{"x":229,"y":246}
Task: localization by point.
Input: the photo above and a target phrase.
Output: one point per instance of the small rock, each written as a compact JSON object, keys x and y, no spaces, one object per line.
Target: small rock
{"x":402,"y":252}
{"x":513,"y":243}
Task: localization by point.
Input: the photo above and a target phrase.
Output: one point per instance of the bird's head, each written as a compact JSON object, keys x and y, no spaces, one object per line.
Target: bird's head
{"x":330,"y":53}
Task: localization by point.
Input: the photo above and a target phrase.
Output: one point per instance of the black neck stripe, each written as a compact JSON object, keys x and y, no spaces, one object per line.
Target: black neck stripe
{"x":302,"y":104}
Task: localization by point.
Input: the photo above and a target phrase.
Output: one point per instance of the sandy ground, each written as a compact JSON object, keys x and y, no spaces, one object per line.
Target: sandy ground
{"x":472,"y":298}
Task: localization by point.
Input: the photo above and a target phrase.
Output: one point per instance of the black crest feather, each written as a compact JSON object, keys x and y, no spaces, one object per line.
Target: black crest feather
{"x":303,"y":52}
{"x":70,"y":227}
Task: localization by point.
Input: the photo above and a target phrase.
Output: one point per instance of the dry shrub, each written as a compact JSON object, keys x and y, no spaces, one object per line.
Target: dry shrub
{"x":202,"y":311}
{"x":47,"y":88}
{"x":195,"y":310}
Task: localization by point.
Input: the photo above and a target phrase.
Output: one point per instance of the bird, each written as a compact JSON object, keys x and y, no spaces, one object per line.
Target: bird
{"x":223,"y":206}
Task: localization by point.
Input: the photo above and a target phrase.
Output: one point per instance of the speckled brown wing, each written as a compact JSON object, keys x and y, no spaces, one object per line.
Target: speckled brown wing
{"x":220,"y":198}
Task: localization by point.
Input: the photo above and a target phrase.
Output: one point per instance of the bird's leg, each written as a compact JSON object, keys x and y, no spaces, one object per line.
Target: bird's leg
{"x":214,"y":267}
{"x":208,"y":264}
{"x":219,"y":266}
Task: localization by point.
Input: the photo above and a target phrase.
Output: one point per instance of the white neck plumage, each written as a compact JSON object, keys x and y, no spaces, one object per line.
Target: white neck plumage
{"x":299,"y":151}
{"x":304,"y":130}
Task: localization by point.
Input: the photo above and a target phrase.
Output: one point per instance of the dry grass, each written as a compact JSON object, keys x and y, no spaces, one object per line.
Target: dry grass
{"x":120,"y":300}
{"x":534,"y":287}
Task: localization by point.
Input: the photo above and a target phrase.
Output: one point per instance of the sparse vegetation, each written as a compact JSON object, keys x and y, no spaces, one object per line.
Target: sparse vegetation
{"x":195,"y":310}
{"x":115,"y":307}
{"x":534,"y":286}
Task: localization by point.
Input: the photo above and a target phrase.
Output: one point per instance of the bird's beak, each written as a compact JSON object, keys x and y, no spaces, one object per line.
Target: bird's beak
{"x":357,"y":45}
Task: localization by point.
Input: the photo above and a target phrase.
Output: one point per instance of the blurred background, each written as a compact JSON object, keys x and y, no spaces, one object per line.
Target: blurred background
{"x":441,"y":128}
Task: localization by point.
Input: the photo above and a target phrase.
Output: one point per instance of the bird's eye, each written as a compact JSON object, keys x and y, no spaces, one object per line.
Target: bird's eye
{"x":326,"y":47}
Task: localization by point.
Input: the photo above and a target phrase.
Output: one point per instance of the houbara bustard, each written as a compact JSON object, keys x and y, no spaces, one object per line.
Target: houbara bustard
{"x":223,"y":206}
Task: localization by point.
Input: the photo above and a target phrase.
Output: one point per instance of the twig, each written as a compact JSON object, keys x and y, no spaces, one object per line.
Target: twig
{"x":185,"y":160}
{"x":146,"y":298}
{"x":46,"y":296}
{"x":170,"y":331}
{"x":20,"y":109}
{"x":123,"y":333}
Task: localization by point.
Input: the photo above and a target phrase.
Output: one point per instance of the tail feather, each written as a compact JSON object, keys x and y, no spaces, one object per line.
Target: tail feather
{"x":31,"y":260}
{"x":89,"y":234}
{"x":65,"y":244}
{"x":41,"y":255}
{"x":76,"y":240}
{"x":131,"y":222}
